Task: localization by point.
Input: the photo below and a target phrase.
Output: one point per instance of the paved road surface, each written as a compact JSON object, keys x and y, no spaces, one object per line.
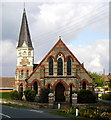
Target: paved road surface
{"x":9,"y":112}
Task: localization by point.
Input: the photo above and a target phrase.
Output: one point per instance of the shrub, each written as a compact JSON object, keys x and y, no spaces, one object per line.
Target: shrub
{"x":30,"y":95}
{"x":43,"y":98}
{"x":86,"y":96}
{"x":14,"y":95}
{"x":106,"y":96}
{"x":20,"y":95}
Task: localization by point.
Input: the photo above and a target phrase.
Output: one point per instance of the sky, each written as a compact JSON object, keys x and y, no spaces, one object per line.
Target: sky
{"x":82,"y":24}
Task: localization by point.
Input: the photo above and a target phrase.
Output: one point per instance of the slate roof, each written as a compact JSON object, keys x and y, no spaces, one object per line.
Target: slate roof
{"x":24,"y":32}
{"x":6,"y":82}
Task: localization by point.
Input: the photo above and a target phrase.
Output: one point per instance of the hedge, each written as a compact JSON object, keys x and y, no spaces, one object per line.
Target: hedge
{"x":86,"y":96}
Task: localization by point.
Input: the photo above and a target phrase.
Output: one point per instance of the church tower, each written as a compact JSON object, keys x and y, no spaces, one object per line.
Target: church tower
{"x":25,"y":55}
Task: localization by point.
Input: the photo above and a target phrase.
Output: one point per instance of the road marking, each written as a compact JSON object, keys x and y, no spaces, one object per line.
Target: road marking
{"x":5,"y":115}
{"x":36,"y":111}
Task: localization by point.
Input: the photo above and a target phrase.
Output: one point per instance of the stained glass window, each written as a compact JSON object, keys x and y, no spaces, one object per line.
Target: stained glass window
{"x":68,"y":66}
{"x":59,"y":67}
{"x":50,"y":66}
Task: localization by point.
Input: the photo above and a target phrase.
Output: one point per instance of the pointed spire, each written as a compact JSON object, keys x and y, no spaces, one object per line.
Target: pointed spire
{"x":24,"y":35}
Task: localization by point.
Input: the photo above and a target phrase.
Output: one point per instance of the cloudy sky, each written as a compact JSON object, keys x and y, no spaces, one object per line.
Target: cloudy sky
{"x":83,"y":25}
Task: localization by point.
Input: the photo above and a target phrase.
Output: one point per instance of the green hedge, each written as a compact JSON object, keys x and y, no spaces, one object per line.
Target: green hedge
{"x":106,"y":96}
{"x":30,"y":95}
{"x":43,"y":98}
{"x":16,"y":95}
{"x":86,"y":96}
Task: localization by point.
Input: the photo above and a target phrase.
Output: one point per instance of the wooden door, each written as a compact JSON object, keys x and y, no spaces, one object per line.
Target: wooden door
{"x":59,"y":93}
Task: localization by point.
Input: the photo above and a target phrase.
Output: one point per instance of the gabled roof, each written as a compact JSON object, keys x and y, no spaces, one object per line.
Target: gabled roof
{"x":24,"y":35}
{"x":59,"y":41}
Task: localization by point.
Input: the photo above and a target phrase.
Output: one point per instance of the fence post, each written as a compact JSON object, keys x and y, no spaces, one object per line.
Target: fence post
{"x":51,"y":100}
{"x":74,"y":99}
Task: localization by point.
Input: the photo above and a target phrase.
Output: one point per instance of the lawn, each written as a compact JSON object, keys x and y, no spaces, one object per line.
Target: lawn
{"x":17,"y":106}
{"x":5,"y":95}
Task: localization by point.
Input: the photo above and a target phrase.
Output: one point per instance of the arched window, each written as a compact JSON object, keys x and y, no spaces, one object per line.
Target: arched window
{"x":50,"y":66}
{"x":21,"y":87}
{"x":24,"y":53}
{"x":68,"y":66}
{"x":27,"y":73}
{"x":22,"y":74}
{"x":84,"y":85}
{"x":49,"y":86}
{"x":36,"y":87}
{"x":60,"y":67}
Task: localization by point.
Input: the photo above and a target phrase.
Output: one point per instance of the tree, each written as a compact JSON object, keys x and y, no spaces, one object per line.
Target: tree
{"x":97,"y":80}
{"x":109,"y":83}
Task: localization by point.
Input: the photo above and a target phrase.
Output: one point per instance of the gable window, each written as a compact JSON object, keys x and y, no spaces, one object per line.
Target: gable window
{"x":50,"y":66}
{"x":68,"y":66}
{"x":22,"y":74}
{"x":60,"y":67}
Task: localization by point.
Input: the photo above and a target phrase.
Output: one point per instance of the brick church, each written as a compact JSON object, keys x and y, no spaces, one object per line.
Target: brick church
{"x":59,"y":70}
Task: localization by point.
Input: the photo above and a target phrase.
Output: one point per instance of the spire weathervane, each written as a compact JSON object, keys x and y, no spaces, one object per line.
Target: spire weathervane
{"x":24,"y":5}
{"x":59,"y":37}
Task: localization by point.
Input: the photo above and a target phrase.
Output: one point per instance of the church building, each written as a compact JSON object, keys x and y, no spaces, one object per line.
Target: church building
{"x":59,"y":70}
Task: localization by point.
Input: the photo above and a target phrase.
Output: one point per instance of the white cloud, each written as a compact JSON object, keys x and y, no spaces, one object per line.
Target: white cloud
{"x":56,"y":1}
{"x":95,"y":55}
{"x":47,"y":20}
{"x":8,"y":62}
{"x":8,"y":51}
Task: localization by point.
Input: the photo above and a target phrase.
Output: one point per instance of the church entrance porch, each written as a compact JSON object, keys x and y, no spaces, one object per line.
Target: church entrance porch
{"x":59,"y":93}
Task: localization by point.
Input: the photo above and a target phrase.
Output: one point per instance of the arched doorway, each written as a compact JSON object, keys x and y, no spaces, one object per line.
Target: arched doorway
{"x":84,"y":85}
{"x":59,"y":93}
{"x":36,"y":87}
{"x":48,"y":86}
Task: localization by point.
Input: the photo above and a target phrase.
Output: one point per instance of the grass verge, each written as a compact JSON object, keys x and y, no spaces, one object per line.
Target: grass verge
{"x":57,"y":112}
{"x":5,"y":95}
{"x":16,"y":105}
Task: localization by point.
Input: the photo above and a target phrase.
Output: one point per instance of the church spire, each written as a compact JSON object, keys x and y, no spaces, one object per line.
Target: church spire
{"x":24,"y":35}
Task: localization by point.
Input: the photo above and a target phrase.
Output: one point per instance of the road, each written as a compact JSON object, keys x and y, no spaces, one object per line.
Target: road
{"x":10,"y":112}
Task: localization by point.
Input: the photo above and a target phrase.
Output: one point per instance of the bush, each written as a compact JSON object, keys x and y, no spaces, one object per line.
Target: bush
{"x":86,"y":96}
{"x":30,"y":95}
{"x":14,"y":95}
{"x":43,"y":98}
{"x":20,"y":95}
{"x":106,"y":96}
